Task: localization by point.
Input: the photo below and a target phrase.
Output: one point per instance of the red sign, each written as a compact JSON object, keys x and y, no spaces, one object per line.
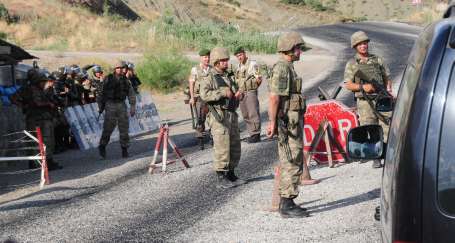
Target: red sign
{"x":341,"y":119}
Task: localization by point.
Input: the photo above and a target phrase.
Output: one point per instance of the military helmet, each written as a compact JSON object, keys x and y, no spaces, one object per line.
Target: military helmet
{"x":289,"y":40}
{"x":358,"y":37}
{"x":35,"y":76}
{"x":64,"y":70}
{"x":130,"y":65}
{"x":120,"y":64}
{"x":217,"y":54}
{"x":75,"y":69}
{"x":97,"y":69}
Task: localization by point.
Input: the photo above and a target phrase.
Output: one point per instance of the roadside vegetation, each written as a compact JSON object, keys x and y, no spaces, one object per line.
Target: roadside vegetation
{"x":164,"y":70}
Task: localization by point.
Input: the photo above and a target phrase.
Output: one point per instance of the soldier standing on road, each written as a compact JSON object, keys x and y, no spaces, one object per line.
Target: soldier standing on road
{"x":371,"y":66}
{"x":248,"y":79}
{"x":40,"y":114}
{"x":222,"y":96}
{"x":116,"y":88}
{"x":286,"y":109}
{"x":197,"y":73}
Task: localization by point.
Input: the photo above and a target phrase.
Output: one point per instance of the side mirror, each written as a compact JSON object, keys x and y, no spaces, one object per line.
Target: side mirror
{"x":366,"y":142}
{"x":384,"y":104}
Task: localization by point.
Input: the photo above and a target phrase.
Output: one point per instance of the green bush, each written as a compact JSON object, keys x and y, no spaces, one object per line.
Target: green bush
{"x":209,"y":35}
{"x":164,"y":71}
{"x":3,"y":35}
{"x":6,"y":16}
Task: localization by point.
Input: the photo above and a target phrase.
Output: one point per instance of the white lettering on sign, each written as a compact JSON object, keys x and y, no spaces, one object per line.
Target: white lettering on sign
{"x":344,"y":125}
{"x":307,"y":141}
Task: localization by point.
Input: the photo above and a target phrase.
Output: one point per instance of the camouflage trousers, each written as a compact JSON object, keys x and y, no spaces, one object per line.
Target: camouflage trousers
{"x":226,"y":141}
{"x":201,"y":110}
{"x":115,"y":114}
{"x":290,"y":152}
{"x":249,"y":106}
{"x":47,"y":131}
{"x":367,"y":116}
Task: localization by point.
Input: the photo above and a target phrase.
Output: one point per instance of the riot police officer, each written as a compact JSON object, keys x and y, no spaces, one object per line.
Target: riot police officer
{"x":116,"y":88}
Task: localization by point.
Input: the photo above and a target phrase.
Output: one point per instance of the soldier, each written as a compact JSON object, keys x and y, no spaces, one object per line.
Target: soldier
{"x":97,"y":77}
{"x":222,"y":96}
{"x":248,"y":79}
{"x":131,"y":75}
{"x":286,"y":109}
{"x":370,"y":66}
{"x":116,"y":88}
{"x":197,"y":73}
{"x":40,"y":114}
{"x":75,"y":89}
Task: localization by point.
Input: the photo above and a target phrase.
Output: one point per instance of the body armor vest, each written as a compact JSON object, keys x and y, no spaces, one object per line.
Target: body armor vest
{"x":295,"y":101}
{"x":200,"y":73}
{"x":225,"y":103}
{"x":369,"y":73}
{"x":245,"y":76}
{"x":116,"y":88}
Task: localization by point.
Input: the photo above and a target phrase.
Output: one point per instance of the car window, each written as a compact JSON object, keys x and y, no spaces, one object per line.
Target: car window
{"x":446,"y":167}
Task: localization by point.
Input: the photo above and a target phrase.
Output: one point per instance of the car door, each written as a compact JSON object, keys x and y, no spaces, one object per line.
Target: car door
{"x":438,"y":206}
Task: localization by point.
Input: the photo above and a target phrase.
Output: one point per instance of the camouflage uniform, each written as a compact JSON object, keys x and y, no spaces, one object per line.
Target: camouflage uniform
{"x":197,"y":74}
{"x":286,"y":84}
{"x":115,"y":90}
{"x":365,"y":111}
{"x":245,"y":76}
{"x":226,"y":136}
{"x":39,"y":113}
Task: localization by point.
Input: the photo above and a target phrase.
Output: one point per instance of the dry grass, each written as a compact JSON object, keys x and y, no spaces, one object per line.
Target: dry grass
{"x":71,"y":28}
{"x":430,"y":12}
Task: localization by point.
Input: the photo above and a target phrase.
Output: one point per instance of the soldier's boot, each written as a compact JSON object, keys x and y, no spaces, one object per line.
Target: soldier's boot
{"x":255,"y":138}
{"x":233,"y":178}
{"x":102,"y":151}
{"x":52,"y":165}
{"x":125,"y":152}
{"x":377,"y":164}
{"x":288,"y":209}
{"x":223,"y":181}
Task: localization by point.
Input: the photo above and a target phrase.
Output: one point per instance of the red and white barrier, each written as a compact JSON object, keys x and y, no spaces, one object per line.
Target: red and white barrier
{"x":164,"y":139}
{"x":24,"y":141}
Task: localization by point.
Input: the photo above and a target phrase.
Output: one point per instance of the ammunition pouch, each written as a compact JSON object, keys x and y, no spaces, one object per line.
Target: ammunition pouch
{"x":249,"y":84}
{"x":295,"y":102}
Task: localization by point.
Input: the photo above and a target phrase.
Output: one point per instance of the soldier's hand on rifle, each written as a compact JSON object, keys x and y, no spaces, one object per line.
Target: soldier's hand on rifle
{"x":369,"y":88}
{"x":271,"y":129}
{"x":239,"y":95}
{"x":259,"y":79}
{"x":229,"y":93}
{"x":132,"y":111}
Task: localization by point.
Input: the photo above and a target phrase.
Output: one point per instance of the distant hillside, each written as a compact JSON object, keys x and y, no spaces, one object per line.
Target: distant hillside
{"x":129,"y":25}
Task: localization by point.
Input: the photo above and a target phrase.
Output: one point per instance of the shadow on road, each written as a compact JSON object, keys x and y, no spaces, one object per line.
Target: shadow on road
{"x":367,"y":196}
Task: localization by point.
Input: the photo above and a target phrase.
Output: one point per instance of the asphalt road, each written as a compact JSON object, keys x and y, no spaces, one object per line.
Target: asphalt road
{"x":122,"y":203}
